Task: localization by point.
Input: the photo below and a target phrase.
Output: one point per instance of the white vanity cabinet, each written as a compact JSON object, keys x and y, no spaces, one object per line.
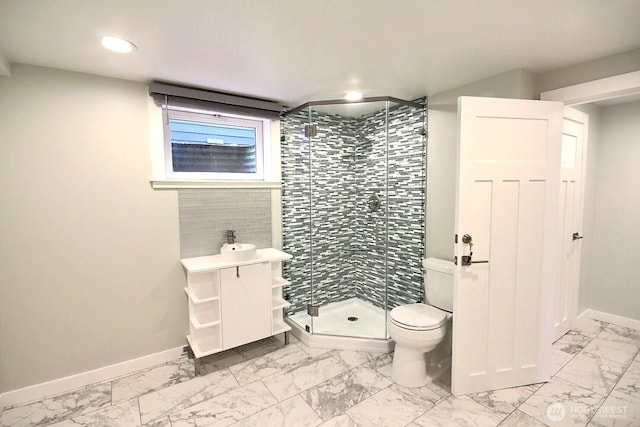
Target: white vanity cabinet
{"x":231,"y":304}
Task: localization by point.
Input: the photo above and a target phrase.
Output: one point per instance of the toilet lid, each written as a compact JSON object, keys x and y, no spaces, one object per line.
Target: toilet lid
{"x":418,"y":317}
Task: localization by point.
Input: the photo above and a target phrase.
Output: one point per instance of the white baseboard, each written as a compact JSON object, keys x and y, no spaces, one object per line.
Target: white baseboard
{"x":611,"y":318}
{"x":39,"y":391}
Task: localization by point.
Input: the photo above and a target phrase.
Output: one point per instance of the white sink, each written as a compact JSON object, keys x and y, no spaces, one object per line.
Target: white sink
{"x":238,"y":252}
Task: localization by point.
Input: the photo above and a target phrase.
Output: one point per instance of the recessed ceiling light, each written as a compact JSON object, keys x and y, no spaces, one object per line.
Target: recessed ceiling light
{"x":353,"y":96}
{"x":116,"y":44}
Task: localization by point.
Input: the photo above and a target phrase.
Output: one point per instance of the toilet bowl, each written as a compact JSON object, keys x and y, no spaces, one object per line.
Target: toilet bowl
{"x":418,"y":329}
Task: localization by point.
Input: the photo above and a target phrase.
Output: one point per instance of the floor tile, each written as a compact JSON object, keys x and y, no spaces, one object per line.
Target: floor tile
{"x":613,"y":346}
{"x":152,"y":379}
{"x":505,"y":401}
{"x":596,"y":380}
{"x":277,"y":361}
{"x":312,"y":351}
{"x":160,"y":422}
{"x":58,"y":408}
{"x":308,"y":373}
{"x":458,"y":411}
{"x":589,"y":327}
{"x":559,"y":359}
{"x":633,"y":334}
{"x":431,"y":392}
{"x":520,"y":419}
{"x":561,"y":403}
{"x":227,"y":408}
{"x":353,"y":358}
{"x":261,"y":348}
{"x":180,"y":396}
{"x":292,"y":412}
{"x":630,"y":381}
{"x":382,"y":361}
{"x":343,"y":391}
{"x":395,"y":406}
{"x":123,"y":414}
{"x":572,"y":342}
{"x":340,"y":421}
{"x":618,"y":410}
{"x":229,"y":358}
{"x":592,"y":372}
{"x":220,"y":361}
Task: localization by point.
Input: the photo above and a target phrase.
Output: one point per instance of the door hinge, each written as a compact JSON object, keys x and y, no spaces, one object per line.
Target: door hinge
{"x":312,"y":310}
{"x":310,"y":130}
{"x":455,"y":240}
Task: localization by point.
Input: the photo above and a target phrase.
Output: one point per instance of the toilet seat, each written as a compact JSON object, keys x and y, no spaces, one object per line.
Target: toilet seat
{"x":418,"y":317}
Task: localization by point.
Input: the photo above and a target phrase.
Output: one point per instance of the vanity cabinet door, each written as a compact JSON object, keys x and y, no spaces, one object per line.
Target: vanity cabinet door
{"x":245,"y":300}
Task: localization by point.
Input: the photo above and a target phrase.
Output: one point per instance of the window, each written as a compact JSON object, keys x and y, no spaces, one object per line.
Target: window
{"x":209,"y":145}
{"x":203,"y":139}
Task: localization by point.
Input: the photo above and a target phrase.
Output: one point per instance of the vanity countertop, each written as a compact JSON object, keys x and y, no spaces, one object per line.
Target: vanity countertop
{"x":215,"y":262}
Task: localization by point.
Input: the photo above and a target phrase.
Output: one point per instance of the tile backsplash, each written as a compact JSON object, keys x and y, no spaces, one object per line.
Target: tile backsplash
{"x":205,"y":214}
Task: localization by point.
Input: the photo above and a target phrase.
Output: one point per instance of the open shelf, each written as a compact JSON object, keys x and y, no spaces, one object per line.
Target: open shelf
{"x":199,"y":352}
{"x":204,"y":286}
{"x":279,"y":282}
{"x":278,"y":302}
{"x":204,"y":313}
{"x":197,"y":300}
{"x":198,"y":325}
{"x":279,"y":326}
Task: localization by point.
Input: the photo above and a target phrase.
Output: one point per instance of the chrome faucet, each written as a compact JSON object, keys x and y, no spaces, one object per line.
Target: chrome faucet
{"x":231,"y":236}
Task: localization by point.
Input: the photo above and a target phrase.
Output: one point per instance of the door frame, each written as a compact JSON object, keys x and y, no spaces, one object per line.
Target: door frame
{"x":619,"y":86}
{"x":597,"y":90}
{"x":571,"y":303}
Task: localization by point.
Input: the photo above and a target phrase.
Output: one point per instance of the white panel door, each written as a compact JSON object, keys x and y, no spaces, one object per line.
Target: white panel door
{"x":245,"y":302}
{"x":507,"y":201}
{"x":573,"y":162}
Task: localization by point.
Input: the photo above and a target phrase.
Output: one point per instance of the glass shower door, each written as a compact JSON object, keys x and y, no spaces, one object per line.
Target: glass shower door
{"x":348,"y":237}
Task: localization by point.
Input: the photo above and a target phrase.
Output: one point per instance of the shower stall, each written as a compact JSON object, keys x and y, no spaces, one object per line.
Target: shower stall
{"x":353,"y":214}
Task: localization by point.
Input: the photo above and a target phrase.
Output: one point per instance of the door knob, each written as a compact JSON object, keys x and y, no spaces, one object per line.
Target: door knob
{"x":577,"y":236}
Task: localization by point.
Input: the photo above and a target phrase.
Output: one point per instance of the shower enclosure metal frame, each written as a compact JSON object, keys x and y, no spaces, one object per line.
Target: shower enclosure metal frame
{"x":416,"y":129}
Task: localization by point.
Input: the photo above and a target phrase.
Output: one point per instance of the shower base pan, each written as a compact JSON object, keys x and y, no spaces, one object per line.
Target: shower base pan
{"x":352,"y":324}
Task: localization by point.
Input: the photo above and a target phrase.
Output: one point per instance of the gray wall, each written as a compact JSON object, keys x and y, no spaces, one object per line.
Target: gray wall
{"x":613,"y":279}
{"x":89,"y":253}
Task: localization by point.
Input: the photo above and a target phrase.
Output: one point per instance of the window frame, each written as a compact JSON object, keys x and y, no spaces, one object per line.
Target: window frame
{"x":262,"y":132}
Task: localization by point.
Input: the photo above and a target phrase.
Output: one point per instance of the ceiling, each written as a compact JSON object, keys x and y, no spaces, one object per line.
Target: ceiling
{"x":295,"y":51}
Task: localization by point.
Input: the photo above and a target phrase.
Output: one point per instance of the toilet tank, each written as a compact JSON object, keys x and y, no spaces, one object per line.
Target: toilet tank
{"x":438,"y":283}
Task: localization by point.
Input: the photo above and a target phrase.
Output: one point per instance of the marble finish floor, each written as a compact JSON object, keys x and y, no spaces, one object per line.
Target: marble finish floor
{"x":596,"y":382}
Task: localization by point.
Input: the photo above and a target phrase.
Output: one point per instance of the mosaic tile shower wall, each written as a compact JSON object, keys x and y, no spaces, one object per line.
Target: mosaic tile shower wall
{"x":329,"y":186}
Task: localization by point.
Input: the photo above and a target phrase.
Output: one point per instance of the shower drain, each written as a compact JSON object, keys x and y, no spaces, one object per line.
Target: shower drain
{"x":352,"y":318}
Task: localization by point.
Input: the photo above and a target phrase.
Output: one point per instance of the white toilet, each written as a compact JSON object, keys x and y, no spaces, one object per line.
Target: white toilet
{"x":418,"y":329}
